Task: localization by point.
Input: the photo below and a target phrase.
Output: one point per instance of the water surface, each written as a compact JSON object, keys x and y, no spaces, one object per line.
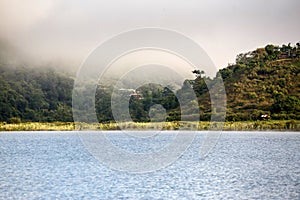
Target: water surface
{"x":243,"y":165}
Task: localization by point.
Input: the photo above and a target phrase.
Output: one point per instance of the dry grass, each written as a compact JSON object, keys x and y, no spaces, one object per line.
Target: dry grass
{"x":282,"y":125}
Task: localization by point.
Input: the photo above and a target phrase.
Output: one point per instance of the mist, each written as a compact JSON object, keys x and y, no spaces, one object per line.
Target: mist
{"x":62,"y":34}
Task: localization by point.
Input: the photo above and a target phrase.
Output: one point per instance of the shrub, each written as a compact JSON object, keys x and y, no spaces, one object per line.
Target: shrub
{"x":14,"y":120}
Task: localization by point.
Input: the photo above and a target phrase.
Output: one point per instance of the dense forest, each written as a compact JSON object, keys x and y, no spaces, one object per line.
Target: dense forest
{"x":265,"y":81}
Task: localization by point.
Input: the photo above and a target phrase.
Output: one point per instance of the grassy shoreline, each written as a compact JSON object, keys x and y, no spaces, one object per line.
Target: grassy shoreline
{"x":276,"y":125}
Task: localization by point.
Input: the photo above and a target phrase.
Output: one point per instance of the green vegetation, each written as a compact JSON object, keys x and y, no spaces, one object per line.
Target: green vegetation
{"x":265,"y":81}
{"x":36,"y":95}
{"x":280,"y":125}
{"x":37,"y":126}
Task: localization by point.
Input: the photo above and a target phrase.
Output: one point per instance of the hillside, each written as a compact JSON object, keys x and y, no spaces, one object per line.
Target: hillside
{"x":263,"y":81}
{"x":34,"y":95}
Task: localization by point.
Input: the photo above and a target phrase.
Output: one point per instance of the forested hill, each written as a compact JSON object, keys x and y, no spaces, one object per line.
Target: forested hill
{"x":35,"y":95}
{"x":264,"y":81}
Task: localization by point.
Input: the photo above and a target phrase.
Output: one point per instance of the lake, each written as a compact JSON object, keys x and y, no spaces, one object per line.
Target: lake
{"x":242,"y":165}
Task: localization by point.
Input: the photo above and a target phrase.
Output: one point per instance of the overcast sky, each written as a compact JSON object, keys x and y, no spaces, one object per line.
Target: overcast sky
{"x":68,"y":30}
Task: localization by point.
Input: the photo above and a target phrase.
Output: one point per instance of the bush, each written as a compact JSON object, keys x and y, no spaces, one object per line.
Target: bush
{"x":14,"y":120}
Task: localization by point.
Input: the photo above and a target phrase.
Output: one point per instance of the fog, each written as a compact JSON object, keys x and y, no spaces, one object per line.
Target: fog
{"x":63,"y":33}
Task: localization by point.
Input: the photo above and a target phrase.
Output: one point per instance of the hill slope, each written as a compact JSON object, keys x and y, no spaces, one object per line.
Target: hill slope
{"x":264,"y":81}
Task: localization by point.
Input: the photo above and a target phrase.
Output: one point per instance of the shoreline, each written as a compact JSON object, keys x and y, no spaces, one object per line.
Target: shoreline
{"x":267,"y":125}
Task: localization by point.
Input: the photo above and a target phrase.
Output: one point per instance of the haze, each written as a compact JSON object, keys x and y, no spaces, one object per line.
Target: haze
{"x":65,"y":32}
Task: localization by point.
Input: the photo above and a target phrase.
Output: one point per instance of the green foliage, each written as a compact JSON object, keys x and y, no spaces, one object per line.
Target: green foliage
{"x":14,"y":120}
{"x":35,"y":95}
{"x":263,"y":81}
{"x":152,"y":94}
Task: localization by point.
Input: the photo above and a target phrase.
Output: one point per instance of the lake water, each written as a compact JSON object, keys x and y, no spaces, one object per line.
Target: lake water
{"x":243,"y":165}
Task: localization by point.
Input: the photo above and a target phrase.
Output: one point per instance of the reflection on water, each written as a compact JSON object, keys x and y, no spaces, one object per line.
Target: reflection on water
{"x":243,"y":165}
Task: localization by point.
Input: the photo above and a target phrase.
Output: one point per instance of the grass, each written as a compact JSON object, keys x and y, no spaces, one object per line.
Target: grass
{"x":37,"y":126}
{"x":280,"y":125}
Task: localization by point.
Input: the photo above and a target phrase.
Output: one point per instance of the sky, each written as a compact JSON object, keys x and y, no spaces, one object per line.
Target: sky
{"x":67,"y":31}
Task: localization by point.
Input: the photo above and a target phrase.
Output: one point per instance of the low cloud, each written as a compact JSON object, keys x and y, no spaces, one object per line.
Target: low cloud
{"x":67,"y":31}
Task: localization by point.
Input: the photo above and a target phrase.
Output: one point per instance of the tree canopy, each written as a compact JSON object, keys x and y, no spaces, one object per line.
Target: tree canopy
{"x":263,"y":81}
